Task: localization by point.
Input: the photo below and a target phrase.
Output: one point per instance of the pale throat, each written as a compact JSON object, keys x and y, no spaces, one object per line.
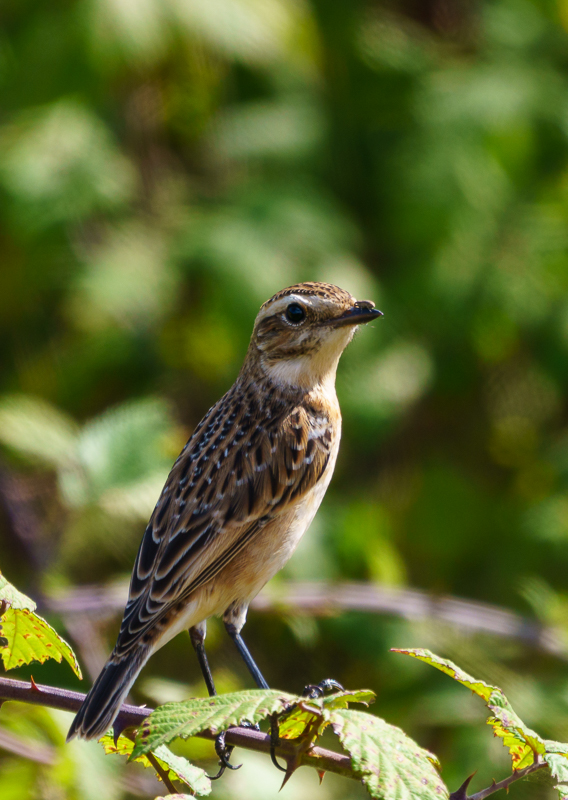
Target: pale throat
{"x":316,"y":370}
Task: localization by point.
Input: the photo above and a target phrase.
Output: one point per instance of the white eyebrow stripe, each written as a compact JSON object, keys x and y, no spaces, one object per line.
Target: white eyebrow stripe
{"x":282,"y":304}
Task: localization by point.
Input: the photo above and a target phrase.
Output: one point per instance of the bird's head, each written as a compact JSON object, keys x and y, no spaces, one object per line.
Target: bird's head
{"x":300,"y":333}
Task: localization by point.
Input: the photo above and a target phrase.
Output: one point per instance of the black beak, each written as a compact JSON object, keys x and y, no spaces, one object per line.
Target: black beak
{"x":362,"y":311}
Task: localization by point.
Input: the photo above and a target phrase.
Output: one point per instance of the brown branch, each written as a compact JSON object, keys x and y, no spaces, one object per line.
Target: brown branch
{"x":133,"y":716}
{"x":321,"y":599}
{"x":518,"y":775}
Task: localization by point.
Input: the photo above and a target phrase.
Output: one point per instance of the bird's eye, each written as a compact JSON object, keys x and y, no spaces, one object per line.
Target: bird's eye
{"x":295,"y":313}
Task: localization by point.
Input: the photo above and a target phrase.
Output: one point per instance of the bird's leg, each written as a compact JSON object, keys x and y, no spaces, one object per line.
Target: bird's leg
{"x":234,"y":632}
{"x":197,"y":636}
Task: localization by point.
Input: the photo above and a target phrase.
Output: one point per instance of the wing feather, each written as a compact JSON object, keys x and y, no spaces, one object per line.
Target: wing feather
{"x":244,"y":465}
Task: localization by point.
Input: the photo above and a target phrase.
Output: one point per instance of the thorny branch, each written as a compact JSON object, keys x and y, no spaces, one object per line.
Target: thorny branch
{"x":132,"y":717}
{"x":317,"y":757}
{"x":506,"y":782}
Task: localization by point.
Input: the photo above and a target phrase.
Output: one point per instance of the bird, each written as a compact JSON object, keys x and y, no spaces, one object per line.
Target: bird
{"x":241,"y":494}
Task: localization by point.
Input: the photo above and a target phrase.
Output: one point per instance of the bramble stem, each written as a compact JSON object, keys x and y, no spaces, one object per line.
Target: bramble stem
{"x":506,"y":782}
{"x":133,"y":716}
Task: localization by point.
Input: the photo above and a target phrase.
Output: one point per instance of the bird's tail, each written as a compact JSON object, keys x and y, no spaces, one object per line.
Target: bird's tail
{"x":102,"y":704}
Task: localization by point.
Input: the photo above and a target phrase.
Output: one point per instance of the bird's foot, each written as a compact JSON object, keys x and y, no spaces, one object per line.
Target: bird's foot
{"x":314,"y":690}
{"x":224,"y":752}
{"x":254,"y":726}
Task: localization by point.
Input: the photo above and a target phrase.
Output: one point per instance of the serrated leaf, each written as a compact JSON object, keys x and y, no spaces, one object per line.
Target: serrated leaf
{"x":177,"y":767}
{"x":390,"y":764}
{"x":525,"y":745}
{"x":449,"y":668}
{"x":208,"y":713}
{"x":522,"y":742}
{"x":556,"y":757}
{"x":30,"y":638}
{"x":10,"y":596}
{"x":342,"y":699}
{"x":308,"y":713}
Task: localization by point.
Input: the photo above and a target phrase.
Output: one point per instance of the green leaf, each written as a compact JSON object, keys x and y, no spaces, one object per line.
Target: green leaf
{"x":31,"y":638}
{"x":208,"y":713}
{"x":449,"y":668}
{"x":178,"y":768}
{"x":525,"y":745}
{"x":390,"y":764}
{"x":522,"y":742}
{"x":342,"y":699}
{"x":26,"y":636}
{"x":387,"y":760}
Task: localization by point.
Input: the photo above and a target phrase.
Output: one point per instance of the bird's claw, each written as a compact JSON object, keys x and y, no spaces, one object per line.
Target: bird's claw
{"x":252,"y":725}
{"x":275,"y":741}
{"x":224,"y":754}
{"x":313,"y":690}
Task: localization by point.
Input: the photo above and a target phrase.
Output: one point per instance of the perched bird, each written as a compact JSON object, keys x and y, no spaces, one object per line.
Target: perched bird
{"x":240,"y":496}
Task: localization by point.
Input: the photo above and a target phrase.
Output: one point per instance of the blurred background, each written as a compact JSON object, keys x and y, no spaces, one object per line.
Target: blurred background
{"x":165,"y":167}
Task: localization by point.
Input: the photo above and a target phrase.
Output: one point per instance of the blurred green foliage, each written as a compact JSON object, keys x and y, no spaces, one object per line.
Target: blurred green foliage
{"x":166,"y":166}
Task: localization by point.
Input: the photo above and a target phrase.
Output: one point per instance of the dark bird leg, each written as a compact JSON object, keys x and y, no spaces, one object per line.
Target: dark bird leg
{"x":197,"y":636}
{"x":258,"y":677}
{"x":235,"y":635}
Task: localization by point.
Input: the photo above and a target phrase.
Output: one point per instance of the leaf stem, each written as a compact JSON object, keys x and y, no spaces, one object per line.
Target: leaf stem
{"x":506,"y":782}
{"x":162,"y":773}
{"x":133,"y":716}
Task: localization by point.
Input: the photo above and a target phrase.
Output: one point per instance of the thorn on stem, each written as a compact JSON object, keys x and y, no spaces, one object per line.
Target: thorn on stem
{"x":461,"y":793}
{"x":118,"y":727}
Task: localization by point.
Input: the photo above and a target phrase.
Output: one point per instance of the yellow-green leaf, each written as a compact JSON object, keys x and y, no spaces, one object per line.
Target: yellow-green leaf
{"x":30,"y":638}
{"x":177,"y":768}
{"x":479,"y":687}
{"x":307,"y":715}
{"x":525,"y":745}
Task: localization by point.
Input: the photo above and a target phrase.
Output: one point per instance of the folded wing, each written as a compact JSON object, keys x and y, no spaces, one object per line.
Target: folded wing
{"x":245,"y":464}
